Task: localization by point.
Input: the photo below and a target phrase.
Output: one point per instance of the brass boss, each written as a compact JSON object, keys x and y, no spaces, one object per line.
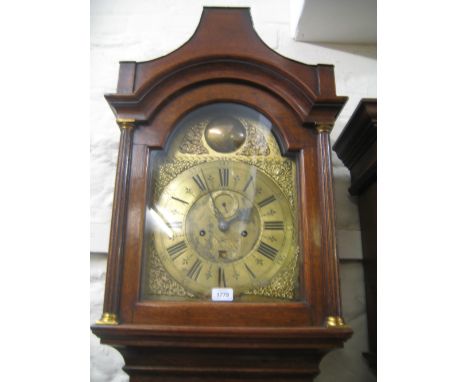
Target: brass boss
{"x":225,"y":134}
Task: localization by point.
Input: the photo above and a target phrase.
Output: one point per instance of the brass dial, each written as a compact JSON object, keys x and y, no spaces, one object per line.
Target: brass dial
{"x":223,"y":224}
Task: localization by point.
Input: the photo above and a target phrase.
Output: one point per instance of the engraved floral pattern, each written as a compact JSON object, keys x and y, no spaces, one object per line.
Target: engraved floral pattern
{"x":159,"y":282}
{"x":192,"y":141}
{"x":283,"y":285}
{"x":256,"y":143}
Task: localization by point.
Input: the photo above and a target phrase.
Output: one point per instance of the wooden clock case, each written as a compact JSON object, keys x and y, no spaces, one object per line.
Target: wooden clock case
{"x":357,"y":148}
{"x":224,"y":61}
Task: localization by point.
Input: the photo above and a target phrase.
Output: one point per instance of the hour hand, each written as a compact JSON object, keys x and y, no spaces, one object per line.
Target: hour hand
{"x":210,"y":193}
{"x":223,"y":225}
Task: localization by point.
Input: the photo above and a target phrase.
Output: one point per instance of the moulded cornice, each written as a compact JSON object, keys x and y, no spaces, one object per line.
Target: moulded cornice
{"x":357,"y":145}
{"x":233,"y":53}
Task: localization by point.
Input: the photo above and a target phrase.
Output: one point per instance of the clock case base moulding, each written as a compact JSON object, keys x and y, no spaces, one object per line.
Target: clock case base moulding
{"x":224,"y":61}
{"x":222,"y":354}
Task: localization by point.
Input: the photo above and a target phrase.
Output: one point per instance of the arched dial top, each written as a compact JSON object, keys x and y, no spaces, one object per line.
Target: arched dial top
{"x":223,"y":224}
{"x":221,"y":210}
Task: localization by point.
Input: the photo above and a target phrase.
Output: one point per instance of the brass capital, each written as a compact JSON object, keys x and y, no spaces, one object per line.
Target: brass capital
{"x":108,"y":319}
{"x":335,"y":322}
{"x":126,"y":123}
{"x":324,"y":127}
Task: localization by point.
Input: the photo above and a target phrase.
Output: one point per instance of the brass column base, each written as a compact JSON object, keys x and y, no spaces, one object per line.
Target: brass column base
{"x":335,"y":322}
{"x":108,"y":319}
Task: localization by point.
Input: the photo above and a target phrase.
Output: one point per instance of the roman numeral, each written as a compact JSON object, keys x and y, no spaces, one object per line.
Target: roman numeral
{"x":250,"y":271}
{"x":177,"y":249}
{"x":195,"y":270}
{"x":266,"y":201}
{"x":199,"y":182}
{"x":175,"y":225}
{"x":274,"y":225}
{"x":179,"y":200}
{"x":248,"y":183}
{"x":224,"y":177}
{"x":268,"y":251}
{"x":221,"y":278}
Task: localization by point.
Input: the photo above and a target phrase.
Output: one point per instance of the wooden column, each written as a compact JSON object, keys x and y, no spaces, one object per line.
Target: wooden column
{"x":118,"y":225}
{"x":331,"y":289}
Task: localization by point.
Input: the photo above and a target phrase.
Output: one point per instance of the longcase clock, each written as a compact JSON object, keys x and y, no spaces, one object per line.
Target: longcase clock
{"x":222,"y":260}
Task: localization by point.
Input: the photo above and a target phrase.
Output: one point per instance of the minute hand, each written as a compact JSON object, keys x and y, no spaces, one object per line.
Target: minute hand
{"x":219,"y":216}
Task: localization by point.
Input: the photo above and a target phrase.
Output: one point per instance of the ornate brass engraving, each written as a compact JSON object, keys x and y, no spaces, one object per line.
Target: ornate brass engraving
{"x":192,"y":141}
{"x":282,"y":285}
{"x":256,"y":143}
{"x":169,"y":170}
{"x":159,"y":282}
{"x":280,"y":169}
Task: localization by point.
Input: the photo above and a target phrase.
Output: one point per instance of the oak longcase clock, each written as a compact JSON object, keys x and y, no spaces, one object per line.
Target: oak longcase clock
{"x":222,"y":260}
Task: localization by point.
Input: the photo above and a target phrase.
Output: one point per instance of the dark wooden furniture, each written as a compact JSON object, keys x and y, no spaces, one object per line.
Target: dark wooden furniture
{"x":357,"y":148}
{"x":224,"y":61}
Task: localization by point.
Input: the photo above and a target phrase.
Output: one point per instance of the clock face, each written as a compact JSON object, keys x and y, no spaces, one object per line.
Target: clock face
{"x":221,"y":212}
{"x":233,"y":228}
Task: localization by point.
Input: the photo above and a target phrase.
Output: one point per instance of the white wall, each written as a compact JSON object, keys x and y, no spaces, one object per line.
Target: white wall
{"x":140,"y":30}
